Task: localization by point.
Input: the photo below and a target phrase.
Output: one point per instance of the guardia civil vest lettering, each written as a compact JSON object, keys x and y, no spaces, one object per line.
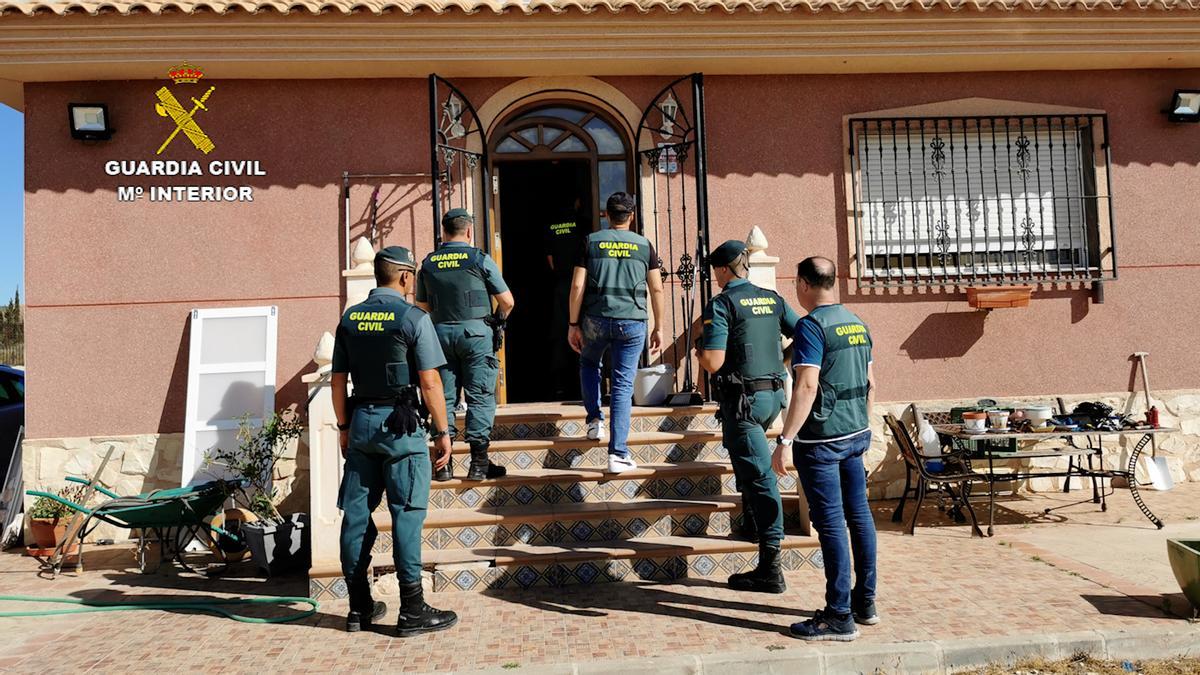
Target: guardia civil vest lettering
{"x":617,"y":264}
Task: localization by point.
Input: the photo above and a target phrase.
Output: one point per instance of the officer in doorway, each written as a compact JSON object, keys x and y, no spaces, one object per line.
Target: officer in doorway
{"x":741,"y":347}
{"x":562,"y":239}
{"x":456,"y":286}
{"x":391,"y":351}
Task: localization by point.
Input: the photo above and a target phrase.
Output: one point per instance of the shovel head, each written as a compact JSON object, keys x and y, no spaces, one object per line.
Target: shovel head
{"x":1159,"y":473}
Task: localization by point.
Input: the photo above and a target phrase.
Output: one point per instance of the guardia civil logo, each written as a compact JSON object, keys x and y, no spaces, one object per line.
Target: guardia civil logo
{"x":184,"y":119}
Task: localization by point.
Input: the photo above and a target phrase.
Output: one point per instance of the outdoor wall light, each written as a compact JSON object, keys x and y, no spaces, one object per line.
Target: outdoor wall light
{"x":1185,"y":106}
{"x":89,"y":121}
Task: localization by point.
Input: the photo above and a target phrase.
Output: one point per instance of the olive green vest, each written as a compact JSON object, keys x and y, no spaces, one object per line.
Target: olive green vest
{"x":380,"y":338}
{"x":754,"y":350}
{"x":453,"y":278}
{"x":617,"y":263}
{"x":841,"y":405}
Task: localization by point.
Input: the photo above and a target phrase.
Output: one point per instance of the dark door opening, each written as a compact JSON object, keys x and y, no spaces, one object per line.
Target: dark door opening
{"x":545,"y":210}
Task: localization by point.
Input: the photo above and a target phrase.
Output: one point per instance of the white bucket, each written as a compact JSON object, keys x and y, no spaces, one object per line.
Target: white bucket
{"x":652,"y":386}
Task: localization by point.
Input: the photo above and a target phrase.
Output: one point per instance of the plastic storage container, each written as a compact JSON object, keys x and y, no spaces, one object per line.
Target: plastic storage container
{"x":652,"y":386}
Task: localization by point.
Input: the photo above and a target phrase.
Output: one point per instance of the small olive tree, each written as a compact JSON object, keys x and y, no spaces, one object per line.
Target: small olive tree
{"x":259,"y":449}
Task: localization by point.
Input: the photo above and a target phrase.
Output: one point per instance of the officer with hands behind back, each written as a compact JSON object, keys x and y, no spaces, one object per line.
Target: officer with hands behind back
{"x":390,"y":350}
{"x":456,"y":286}
{"x":741,"y":347}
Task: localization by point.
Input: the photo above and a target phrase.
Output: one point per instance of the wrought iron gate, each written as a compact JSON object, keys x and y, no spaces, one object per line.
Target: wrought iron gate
{"x":458,"y":159}
{"x":673,"y":208}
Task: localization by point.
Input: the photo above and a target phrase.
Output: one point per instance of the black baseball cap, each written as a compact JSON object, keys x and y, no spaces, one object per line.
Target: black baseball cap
{"x":620,"y":203}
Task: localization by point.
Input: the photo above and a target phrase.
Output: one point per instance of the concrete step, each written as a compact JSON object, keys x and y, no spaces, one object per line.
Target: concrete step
{"x":569,"y":419}
{"x":583,"y":443}
{"x":658,"y":558}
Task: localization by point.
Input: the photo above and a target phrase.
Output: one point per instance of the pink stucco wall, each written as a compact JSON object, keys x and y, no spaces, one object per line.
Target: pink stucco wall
{"x":110,"y":284}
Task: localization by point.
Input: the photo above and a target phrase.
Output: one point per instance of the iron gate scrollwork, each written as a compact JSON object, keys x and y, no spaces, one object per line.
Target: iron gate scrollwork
{"x":458,"y":158}
{"x":673,"y":210}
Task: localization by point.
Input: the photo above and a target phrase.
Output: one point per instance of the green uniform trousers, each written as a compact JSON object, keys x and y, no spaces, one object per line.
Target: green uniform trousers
{"x":473,"y":367}
{"x":750,"y":455}
{"x":380,"y":462}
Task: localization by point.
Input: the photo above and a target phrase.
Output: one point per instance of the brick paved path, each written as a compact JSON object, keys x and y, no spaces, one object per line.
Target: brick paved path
{"x":939,"y":584}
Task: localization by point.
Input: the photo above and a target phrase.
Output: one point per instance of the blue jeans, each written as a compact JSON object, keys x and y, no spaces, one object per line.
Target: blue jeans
{"x":626,"y":338}
{"x":835,"y":483}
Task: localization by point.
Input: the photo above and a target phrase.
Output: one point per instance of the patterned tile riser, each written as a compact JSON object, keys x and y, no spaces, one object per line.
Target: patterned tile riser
{"x":512,"y":431}
{"x":574,"y":531}
{"x":695,"y":487}
{"x":593,"y":572}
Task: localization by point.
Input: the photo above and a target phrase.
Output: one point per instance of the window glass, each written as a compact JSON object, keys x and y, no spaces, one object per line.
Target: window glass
{"x":608,"y":141}
{"x":529,"y":134}
{"x":6,"y":395}
{"x":550,"y":133}
{"x":572,"y":144}
{"x":612,"y":179}
{"x":19,"y":385}
{"x":511,"y":145}
{"x":569,"y":114}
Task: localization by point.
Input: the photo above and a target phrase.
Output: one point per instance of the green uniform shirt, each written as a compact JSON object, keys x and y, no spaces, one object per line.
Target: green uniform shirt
{"x":835,"y":340}
{"x":746,"y":321}
{"x":457,"y":281}
{"x":617,"y":263}
{"x":383,"y":342}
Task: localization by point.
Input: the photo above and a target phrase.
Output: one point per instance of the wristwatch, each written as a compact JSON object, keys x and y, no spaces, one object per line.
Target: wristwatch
{"x":343,"y":427}
{"x":437,"y":434}
{"x":785,"y":442}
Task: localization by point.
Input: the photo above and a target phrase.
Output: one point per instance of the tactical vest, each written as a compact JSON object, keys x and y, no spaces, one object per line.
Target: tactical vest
{"x":379,"y":338}
{"x":617,"y":263}
{"x":841,"y":405}
{"x":453,"y":278}
{"x":754,"y":350}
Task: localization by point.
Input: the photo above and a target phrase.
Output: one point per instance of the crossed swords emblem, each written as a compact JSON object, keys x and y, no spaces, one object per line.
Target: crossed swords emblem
{"x":185,"y":120}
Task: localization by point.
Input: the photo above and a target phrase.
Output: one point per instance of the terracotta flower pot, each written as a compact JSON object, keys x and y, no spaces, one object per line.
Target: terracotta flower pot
{"x":47,"y":532}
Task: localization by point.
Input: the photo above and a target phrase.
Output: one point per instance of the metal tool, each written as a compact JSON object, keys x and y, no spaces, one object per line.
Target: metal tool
{"x":1156,"y":467}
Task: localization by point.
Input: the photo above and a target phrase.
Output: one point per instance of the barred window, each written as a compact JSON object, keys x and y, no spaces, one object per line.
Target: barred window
{"x":1005,"y":199}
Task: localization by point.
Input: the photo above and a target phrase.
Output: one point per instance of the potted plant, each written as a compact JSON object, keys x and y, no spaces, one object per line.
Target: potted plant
{"x":48,"y":518}
{"x":277,"y":544}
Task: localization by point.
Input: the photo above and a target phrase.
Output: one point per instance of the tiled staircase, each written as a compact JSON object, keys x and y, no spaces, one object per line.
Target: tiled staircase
{"x":557,"y":519}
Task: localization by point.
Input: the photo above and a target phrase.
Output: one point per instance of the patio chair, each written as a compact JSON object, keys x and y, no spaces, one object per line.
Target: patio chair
{"x":957,"y":473}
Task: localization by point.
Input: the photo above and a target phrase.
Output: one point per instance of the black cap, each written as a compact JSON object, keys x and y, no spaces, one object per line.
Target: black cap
{"x":726,"y":253}
{"x":620,"y":203}
{"x":456,"y":213}
{"x":397,"y":255}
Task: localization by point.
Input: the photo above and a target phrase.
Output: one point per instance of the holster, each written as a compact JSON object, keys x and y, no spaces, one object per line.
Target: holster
{"x":408,"y":413}
{"x":730,"y":391}
{"x":498,"y":323}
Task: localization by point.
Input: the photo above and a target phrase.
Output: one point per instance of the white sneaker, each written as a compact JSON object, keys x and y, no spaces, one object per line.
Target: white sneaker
{"x":597,"y":430}
{"x":461,"y":408}
{"x":621,"y":464}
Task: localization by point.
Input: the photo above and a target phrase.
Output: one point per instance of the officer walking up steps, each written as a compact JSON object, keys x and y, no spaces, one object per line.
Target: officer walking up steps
{"x":456,"y":286}
{"x":390,"y":350}
{"x":561,"y":239}
{"x":616,"y":275}
{"x":741,"y":347}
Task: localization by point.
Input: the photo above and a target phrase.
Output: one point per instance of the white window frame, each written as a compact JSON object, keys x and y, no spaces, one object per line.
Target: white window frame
{"x":192,"y":461}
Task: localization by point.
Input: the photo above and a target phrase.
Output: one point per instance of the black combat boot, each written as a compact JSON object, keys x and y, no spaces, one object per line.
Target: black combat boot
{"x":748,"y":530}
{"x":445,"y":473}
{"x":416,"y":617}
{"x":766,"y":578}
{"x":364,"y":610}
{"x":481,"y":466}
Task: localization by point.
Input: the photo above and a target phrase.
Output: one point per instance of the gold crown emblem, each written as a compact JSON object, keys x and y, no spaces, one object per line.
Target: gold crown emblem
{"x":185,"y":73}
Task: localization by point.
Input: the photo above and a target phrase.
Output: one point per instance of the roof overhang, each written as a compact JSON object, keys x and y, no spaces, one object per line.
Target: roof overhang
{"x":269,"y":44}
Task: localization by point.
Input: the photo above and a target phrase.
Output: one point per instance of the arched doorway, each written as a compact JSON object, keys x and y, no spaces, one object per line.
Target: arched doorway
{"x":554,"y":162}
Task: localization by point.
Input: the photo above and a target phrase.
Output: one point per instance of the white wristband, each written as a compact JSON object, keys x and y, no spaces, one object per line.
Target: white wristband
{"x":785,"y":442}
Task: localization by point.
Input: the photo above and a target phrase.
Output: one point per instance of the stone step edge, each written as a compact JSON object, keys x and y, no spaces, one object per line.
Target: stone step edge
{"x":690,"y":437}
{"x":514,"y":414}
{"x":617,"y":549}
{"x":586,"y":475}
{"x":574,"y":511}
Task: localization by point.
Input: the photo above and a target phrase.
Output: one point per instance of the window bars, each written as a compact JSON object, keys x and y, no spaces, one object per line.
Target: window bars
{"x":942,"y":201}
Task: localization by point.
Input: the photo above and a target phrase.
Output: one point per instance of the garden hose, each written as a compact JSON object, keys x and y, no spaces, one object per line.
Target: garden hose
{"x":213,"y":606}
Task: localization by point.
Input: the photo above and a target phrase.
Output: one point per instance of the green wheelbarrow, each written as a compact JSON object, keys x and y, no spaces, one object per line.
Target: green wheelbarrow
{"x":175,"y":516}
{"x":1184,"y":555}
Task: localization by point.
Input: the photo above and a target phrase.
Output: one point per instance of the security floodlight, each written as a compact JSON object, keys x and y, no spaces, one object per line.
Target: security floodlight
{"x":89,"y":121}
{"x":1185,"y":106}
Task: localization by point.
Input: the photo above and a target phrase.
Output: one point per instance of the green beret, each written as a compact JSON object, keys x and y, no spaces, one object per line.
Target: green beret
{"x":726,"y":253}
{"x":455,"y":213}
{"x":398,"y":255}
